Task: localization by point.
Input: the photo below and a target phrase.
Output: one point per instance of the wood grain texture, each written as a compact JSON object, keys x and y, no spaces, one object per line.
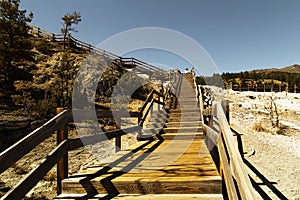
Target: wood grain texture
{"x":23,"y":146}
{"x":30,"y":180}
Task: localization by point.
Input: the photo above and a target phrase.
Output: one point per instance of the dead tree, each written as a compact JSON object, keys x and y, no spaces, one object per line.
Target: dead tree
{"x":273,"y":112}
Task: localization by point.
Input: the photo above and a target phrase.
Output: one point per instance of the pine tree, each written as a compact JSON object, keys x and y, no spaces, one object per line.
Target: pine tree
{"x":15,"y":44}
{"x":68,"y":21}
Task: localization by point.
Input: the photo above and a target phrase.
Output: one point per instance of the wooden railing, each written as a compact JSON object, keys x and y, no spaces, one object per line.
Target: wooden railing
{"x":231,"y":166}
{"x":57,"y":124}
{"x":70,"y":40}
{"x":135,"y":63}
{"x":59,"y":155}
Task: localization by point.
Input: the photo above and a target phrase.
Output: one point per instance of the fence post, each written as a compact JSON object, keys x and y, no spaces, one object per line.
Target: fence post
{"x":62,"y":165}
{"x":139,"y":120}
{"x":225,"y":106}
{"x":38,"y":32}
{"x":118,"y":138}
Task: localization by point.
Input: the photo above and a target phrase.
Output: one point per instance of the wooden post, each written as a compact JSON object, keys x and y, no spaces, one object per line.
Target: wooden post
{"x":38,"y":32}
{"x":272,"y":87}
{"x":280,"y":87}
{"x":209,"y":120}
{"x":118,"y":138}
{"x":158,"y":105}
{"x":139,"y":120}
{"x":225,"y":105}
{"x":62,"y":165}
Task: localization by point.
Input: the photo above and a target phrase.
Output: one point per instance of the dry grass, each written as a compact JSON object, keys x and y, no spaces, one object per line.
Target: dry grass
{"x":50,"y":176}
{"x":20,"y":170}
{"x":259,"y":127}
{"x":281,"y":130}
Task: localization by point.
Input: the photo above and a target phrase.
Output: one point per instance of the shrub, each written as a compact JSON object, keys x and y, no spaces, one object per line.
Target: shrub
{"x":259,"y":127}
{"x":44,"y":46}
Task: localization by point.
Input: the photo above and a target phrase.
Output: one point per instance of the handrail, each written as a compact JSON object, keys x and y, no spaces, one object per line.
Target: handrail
{"x":70,"y":39}
{"x":148,"y":110}
{"x":134,"y":61}
{"x":93,"y":139}
{"x":25,"y":145}
{"x":86,"y":46}
{"x":237,"y":163}
{"x":151,"y":100}
{"x":231,"y":163}
{"x":31,"y":179}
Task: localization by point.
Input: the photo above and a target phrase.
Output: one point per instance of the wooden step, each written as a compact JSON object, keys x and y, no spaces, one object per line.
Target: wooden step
{"x":190,"y":170}
{"x":142,"y":197}
{"x":181,"y":110}
{"x":184,"y":119}
{"x":184,"y":114}
{"x":172,"y":130}
{"x":180,"y":136}
{"x":181,"y":114}
{"x":175,"y":124}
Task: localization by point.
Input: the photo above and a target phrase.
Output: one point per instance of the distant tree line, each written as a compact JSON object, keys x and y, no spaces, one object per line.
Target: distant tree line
{"x":253,"y":81}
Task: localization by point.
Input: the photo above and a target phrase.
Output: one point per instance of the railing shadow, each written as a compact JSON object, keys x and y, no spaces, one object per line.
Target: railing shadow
{"x":112,"y":191}
{"x":264,"y":180}
{"x":107,"y":182}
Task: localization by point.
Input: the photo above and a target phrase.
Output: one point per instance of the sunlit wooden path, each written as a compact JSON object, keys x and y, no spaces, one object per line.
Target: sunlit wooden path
{"x":175,"y":163}
{"x":172,"y":158}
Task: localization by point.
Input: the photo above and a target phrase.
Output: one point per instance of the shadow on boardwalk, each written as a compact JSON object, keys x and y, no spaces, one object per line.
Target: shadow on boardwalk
{"x":265,"y":181}
{"x":107,"y":181}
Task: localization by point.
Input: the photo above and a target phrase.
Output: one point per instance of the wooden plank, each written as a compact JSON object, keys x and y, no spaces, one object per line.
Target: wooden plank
{"x":207,"y":111}
{"x":201,"y":105}
{"x":147,"y":196}
{"x":23,"y":146}
{"x":238,"y":167}
{"x":149,"y":98}
{"x":62,"y":165}
{"x":212,"y":134}
{"x":30,"y":180}
{"x":93,"y":139}
{"x":230,"y":187}
{"x":159,"y":94}
{"x":87,"y":114}
{"x":118,"y":138}
{"x":147,"y":112}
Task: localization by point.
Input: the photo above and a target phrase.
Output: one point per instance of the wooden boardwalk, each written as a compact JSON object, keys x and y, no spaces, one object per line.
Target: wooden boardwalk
{"x":174,"y":164}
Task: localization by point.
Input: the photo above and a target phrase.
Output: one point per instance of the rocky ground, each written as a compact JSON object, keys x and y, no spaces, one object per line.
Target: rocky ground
{"x":277,"y":150}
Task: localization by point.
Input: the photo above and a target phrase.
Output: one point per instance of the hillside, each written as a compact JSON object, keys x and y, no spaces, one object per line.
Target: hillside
{"x":49,"y":84}
{"x":289,"y":69}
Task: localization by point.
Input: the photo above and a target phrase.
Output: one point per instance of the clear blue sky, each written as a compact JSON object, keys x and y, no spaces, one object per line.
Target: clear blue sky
{"x":238,"y":35}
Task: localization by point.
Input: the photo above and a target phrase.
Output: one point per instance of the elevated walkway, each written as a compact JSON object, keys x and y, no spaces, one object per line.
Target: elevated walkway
{"x":172,"y":164}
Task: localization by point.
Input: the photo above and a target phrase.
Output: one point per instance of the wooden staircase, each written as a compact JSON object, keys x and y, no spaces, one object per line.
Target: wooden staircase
{"x":173,"y":164}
